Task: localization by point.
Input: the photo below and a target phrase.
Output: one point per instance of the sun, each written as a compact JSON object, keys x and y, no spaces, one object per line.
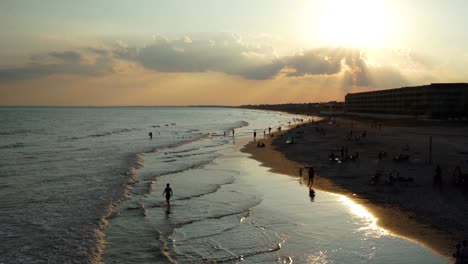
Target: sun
{"x":359,"y":23}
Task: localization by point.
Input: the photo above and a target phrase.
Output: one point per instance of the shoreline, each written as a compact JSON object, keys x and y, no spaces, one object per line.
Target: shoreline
{"x":412,"y":210}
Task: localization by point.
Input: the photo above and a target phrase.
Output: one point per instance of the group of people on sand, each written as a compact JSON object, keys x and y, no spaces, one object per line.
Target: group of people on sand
{"x":321,"y":131}
{"x":344,"y":155}
{"x":461,"y":253}
{"x":350,"y":136}
{"x":460,"y":179}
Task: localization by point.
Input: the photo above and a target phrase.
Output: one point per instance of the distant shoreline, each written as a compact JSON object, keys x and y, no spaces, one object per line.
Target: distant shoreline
{"x":113,"y":106}
{"x":412,"y":210}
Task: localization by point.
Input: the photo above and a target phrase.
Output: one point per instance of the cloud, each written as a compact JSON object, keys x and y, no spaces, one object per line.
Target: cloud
{"x":66,"y":62}
{"x":231,"y":54}
{"x":105,"y":52}
{"x":67,"y":56}
{"x":221,"y":53}
{"x":313,"y":62}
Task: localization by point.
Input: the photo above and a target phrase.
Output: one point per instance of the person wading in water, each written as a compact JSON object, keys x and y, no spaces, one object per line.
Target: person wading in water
{"x":168,"y":193}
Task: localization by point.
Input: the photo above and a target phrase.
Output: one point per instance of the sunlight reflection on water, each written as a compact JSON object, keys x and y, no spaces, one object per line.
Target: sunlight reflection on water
{"x":372,"y":229}
{"x":319,"y":257}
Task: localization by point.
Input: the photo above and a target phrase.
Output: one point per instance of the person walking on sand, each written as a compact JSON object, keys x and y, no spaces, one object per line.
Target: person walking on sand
{"x":168,"y":193}
{"x":311,"y":176}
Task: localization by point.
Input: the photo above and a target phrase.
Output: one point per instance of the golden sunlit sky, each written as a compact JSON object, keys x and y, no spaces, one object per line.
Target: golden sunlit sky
{"x":220,"y":52}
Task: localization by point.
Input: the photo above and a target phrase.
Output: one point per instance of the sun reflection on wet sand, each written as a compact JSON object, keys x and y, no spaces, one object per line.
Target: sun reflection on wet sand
{"x":362,"y":212}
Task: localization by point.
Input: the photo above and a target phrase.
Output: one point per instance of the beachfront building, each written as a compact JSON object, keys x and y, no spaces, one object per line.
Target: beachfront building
{"x":437,"y":100}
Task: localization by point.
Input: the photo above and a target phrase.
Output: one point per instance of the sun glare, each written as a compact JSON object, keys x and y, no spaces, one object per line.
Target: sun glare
{"x":361,"y":23}
{"x":363,"y":213}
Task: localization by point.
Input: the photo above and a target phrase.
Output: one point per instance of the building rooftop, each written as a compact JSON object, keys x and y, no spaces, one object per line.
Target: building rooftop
{"x":438,"y":85}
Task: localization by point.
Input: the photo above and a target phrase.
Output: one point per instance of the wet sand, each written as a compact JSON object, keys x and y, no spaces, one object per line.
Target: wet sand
{"x":415,"y":209}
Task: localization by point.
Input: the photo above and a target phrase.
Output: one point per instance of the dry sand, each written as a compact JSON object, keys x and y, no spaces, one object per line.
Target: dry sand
{"x":437,"y":219}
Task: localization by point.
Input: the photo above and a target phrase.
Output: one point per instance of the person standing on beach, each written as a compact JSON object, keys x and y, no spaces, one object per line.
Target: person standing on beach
{"x":458,"y":254}
{"x":269,"y":130}
{"x":168,"y":193}
{"x":438,"y":178}
{"x":311,"y":176}
{"x":464,"y":252}
{"x":233,"y":132}
{"x":255,"y":135}
{"x":150,"y":135}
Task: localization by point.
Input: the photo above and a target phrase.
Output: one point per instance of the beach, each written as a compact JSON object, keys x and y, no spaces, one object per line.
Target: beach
{"x":410,"y":206}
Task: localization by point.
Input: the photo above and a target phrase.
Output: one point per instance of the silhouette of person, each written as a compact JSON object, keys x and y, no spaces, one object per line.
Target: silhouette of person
{"x":233,"y":132}
{"x":255,"y":135}
{"x":438,"y":178}
{"x":168,"y":193}
{"x":269,"y":130}
{"x":311,"y":176}
{"x":464,"y":252}
{"x":458,"y":254}
{"x":457,"y":176}
{"x":150,"y":135}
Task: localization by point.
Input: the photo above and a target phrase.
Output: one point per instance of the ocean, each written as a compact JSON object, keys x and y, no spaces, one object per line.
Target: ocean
{"x":85,"y":185}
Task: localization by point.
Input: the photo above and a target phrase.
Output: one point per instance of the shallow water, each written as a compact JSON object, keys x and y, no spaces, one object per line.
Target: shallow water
{"x":63,"y":168}
{"x":234,"y":210}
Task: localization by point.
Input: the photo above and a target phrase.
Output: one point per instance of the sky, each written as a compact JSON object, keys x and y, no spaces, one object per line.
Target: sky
{"x":224,"y":52}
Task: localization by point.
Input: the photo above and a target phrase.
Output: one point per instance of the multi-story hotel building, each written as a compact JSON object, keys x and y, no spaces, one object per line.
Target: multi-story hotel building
{"x":436,"y":100}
